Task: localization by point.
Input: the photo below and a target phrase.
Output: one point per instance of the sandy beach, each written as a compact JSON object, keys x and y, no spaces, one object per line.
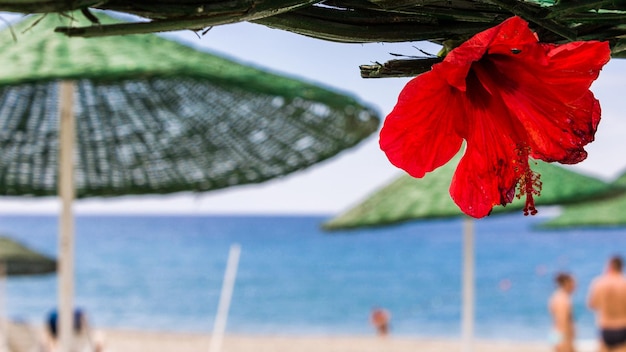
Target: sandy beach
{"x":119,"y":341}
{"x":156,"y":341}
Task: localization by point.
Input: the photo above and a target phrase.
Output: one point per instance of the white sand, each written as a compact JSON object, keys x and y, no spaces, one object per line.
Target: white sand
{"x":127,"y":341}
{"x":139,"y":341}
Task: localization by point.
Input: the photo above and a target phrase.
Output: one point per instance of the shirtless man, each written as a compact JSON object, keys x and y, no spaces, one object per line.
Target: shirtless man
{"x":560,"y":306}
{"x":607,"y":298}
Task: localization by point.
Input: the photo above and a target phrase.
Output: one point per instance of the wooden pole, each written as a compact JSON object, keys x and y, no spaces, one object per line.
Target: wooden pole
{"x":66,"y":221}
{"x":467,"y":315}
{"x":219,"y":328}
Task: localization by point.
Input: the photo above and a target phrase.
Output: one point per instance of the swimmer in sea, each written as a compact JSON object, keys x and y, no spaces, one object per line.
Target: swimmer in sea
{"x":560,"y":307}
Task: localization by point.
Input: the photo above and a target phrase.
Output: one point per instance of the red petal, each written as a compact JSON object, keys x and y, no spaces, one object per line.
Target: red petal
{"x":553,"y":101}
{"x":489,"y":171}
{"x":419,"y":135}
{"x":562,"y":136}
{"x":473,"y":188}
{"x":512,"y":33}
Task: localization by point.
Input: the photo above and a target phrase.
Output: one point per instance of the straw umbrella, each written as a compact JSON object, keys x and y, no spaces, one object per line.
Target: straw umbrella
{"x":17,"y":259}
{"x":356,"y":21}
{"x":605,"y":212}
{"x":407,"y":199}
{"x":150,"y":116}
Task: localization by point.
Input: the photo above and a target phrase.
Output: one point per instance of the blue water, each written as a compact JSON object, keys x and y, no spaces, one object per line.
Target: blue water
{"x":166,"y":272}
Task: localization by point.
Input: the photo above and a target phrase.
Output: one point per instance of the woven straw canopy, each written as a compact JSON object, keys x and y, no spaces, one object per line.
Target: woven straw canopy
{"x":154,"y":116}
{"x":20,"y":260}
{"x":408,"y":198}
{"x":359,"y":21}
{"x":606,"y":212}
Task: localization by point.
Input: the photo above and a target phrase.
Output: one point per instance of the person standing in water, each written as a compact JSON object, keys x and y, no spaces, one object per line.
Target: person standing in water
{"x":561,"y":310}
{"x":607,"y":298}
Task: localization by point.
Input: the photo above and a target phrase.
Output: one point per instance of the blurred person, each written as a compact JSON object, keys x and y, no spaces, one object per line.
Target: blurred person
{"x":561,"y":309}
{"x":83,"y":340}
{"x":607,"y":298}
{"x":380,"y":319}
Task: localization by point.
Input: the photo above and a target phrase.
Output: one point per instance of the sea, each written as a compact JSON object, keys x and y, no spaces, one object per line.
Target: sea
{"x":166,"y":272}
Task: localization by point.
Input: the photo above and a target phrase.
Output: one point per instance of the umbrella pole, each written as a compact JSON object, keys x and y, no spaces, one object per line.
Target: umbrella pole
{"x":219,"y":327}
{"x":467,"y":318}
{"x":66,"y":221}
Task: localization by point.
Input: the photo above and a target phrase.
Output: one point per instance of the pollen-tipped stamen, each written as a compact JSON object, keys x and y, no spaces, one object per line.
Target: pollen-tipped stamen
{"x":529,"y":183}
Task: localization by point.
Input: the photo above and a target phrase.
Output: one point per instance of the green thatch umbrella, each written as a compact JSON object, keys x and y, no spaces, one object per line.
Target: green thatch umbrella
{"x":155,"y":116}
{"x":152,"y":116}
{"x":407,"y":199}
{"x":18,"y":259}
{"x":607,"y":212}
{"x":357,"y":20}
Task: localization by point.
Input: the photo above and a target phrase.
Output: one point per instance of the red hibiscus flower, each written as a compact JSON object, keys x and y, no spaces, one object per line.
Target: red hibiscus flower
{"x":510,"y":98}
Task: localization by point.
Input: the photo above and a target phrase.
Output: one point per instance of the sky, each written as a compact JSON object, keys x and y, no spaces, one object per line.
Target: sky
{"x":341,"y":182}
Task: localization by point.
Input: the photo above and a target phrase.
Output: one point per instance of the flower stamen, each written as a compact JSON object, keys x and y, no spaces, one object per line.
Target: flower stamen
{"x":529,"y":183}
